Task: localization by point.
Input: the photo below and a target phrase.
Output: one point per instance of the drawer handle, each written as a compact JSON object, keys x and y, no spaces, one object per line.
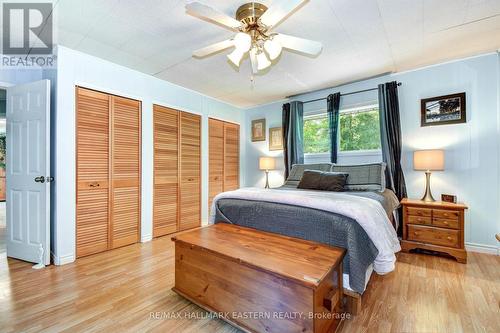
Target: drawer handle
{"x":415,"y":233}
{"x":94,"y":185}
{"x":445,"y":223}
{"x":331,"y":300}
{"x":449,"y":238}
{"x":190,"y":179}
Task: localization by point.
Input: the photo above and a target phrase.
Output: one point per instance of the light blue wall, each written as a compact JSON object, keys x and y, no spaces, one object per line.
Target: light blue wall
{"x":75,"y":68}
{"x":472,"y":149}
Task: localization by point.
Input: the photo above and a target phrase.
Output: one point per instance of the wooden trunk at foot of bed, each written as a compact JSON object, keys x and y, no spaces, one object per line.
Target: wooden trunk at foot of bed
{"x":352,"y":302}
{"x":261,"y":282}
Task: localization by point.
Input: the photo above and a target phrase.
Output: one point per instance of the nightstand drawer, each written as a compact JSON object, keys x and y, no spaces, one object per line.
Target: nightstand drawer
{"x":415,"y":211}
{"x":445,"y":223}
{"x":433,"y":235}
{"x":445,"y":214}
{"x":419,"y":219}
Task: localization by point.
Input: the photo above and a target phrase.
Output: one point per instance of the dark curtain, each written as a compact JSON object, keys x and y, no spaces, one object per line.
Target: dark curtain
{"x":390,"y":134}
{"x":333,"y":106}
{"x":293,"y":134}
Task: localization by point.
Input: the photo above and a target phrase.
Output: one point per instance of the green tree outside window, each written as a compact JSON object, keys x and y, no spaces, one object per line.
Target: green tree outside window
{"x":358,"y":131}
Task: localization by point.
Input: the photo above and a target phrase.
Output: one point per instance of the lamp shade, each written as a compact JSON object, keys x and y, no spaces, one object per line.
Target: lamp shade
{"x":432,"y":160}
{"x":267,"y":163}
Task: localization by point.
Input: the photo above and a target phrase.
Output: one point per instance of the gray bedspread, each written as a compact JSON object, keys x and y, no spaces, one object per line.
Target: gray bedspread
{"x":311,"y":224}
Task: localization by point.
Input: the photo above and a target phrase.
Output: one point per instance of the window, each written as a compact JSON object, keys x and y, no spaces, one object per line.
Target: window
{"x":359,"y":130}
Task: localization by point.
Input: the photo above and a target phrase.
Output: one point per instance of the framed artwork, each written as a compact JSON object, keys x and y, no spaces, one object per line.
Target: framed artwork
{"x":443,"y":110}
{"x":276,"y":138}
{"x":258,"y":130}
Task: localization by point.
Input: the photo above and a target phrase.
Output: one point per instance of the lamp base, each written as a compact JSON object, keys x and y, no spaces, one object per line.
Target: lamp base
{"x":428,"y":194}
{"x":267,"y":179}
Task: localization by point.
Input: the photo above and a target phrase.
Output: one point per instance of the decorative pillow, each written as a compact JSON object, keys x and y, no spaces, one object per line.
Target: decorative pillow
{"x":363,"y":177}
{"x":333,"y":181}
{"x":310,"y":180}
{"x":324,"y":181}
{"x":298,"y":170}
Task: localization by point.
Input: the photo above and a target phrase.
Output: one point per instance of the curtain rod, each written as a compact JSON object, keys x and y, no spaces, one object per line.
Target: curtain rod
{"x":349,"y":93}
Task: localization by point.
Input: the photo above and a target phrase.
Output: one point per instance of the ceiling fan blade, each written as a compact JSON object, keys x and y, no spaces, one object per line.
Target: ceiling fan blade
{"x":279,"y":10}
{"x":214,"y":48}
{"x":301,"y":45}
{"x":208,"y":13}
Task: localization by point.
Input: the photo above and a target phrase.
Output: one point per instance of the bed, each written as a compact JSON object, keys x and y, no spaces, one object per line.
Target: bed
{"x":326,"y":217}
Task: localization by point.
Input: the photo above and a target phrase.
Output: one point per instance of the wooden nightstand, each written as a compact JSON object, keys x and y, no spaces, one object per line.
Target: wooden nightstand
{"x":436,"y":226}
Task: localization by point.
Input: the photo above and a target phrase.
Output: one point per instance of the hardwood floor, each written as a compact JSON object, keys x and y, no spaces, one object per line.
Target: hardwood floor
{"x":128,"y":289}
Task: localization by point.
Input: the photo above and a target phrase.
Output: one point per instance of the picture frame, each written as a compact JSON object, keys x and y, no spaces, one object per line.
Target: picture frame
{"x":276,"y":138}
{"x":443,"y":110}
{"x":258,"y":130}
{"x":449,"y":198}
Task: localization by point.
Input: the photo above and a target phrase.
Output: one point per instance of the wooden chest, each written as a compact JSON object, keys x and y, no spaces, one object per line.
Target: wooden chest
{"x":436,"y":226}
{"x":260,"y":282}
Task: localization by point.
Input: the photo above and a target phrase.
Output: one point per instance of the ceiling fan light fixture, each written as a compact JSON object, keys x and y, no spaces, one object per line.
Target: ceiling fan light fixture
{"x":273,"y":48}
{"x":235,"y":57}
{"x":242,"y":42}
{"x":253,"y":26}
{"x":253,"y":60}
{"x":262,"y":61}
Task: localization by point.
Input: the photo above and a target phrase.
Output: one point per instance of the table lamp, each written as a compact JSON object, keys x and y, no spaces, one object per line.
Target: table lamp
{"x":267,"y":163}
{"x":428,"y":160}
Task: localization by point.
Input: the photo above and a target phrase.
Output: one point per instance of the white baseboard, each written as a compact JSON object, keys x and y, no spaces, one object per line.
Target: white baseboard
{"x":62,"y":260}
{"x":473,"y":247}
{"x":146,"y":238}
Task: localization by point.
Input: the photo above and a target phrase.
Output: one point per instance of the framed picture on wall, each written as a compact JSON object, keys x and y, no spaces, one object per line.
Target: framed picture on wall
{"x":258,"y":130}
{"x":443,"y":110}
{"x":276,"y":138}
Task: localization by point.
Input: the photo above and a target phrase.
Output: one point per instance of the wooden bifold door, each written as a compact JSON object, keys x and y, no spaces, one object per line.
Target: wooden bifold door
{"x":224,"y":157}
{"x":177,"y":171}
{"x":108,"y":150}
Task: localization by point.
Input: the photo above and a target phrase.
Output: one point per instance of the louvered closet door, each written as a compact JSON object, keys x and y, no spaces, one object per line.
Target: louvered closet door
{"x":231,"y":156}
{"x":215,"y":159}
{"x":92,"y":201}
{"x":125,"y":171}
{"x":166,"y":141}
{"x":190,"y":171}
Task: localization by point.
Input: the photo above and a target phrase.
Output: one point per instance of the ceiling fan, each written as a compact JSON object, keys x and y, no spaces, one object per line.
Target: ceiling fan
{"x":254,"y":24}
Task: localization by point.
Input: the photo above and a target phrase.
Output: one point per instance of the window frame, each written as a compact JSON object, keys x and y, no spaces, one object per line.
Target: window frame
{"x":322,"y":112}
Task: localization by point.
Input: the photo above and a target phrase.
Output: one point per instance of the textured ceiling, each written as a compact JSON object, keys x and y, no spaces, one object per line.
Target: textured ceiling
{"x":361,"y":38}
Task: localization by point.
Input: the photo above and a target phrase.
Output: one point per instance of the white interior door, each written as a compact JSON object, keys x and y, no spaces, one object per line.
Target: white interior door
{"x":27,"y":170}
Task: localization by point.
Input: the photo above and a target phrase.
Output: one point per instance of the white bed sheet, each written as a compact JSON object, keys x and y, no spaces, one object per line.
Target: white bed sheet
{"x":369,"y":272}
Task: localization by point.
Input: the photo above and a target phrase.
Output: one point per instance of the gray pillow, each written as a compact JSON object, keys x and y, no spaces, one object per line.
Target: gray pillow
{"x":363,"y":177}
{"x":323,"y":181}
{"x":298,"y":170}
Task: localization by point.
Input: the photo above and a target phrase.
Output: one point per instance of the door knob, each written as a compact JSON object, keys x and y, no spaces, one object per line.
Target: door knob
{"x":40,"y":179}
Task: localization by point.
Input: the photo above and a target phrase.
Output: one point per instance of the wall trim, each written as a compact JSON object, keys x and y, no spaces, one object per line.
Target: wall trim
{"x":146,"y":238}
{"x":62,"y":260}
{"x":481,"y":248}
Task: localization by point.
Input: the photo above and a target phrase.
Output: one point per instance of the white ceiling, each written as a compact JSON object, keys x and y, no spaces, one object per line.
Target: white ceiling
{"x":361,"y":38}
